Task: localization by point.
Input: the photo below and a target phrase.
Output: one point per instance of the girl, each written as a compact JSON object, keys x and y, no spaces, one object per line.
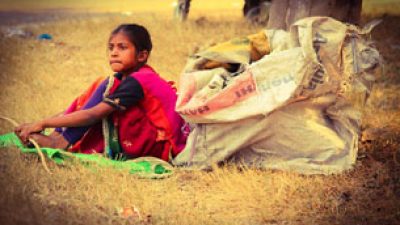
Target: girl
{"x":129,"y":115}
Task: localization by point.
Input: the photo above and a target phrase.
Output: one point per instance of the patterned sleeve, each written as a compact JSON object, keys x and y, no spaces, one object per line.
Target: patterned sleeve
{"x":128,"y":93}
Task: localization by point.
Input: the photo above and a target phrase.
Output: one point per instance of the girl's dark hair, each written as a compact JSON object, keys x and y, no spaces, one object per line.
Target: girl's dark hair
{"x":137,"y":34}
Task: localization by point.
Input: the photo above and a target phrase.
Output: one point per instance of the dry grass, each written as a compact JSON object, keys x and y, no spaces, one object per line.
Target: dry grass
{"x":40,"y":78}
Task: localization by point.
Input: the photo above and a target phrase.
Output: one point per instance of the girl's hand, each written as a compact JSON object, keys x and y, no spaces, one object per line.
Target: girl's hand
{"x":23,"y":131}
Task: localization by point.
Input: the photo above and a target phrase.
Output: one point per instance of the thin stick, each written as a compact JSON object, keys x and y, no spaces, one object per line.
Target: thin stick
{"x":13,"y":122}
{"x":41,"y":155}
{"x":42,"y":158}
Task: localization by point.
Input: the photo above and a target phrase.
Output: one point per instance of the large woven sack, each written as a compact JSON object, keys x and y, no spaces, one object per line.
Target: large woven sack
{"x":297,"y":108}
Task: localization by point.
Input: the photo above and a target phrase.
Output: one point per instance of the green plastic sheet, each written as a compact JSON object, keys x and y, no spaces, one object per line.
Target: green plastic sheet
{"x":146,"y":167}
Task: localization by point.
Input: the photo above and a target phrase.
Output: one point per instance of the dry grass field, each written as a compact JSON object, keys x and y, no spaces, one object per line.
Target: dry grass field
{"x":40,"y":78}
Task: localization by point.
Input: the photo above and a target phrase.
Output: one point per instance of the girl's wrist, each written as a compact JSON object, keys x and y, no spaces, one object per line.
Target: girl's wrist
{"x":42,"y":124}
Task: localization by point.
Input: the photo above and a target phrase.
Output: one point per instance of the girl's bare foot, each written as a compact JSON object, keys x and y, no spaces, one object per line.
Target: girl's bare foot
{"x":53,"y":141}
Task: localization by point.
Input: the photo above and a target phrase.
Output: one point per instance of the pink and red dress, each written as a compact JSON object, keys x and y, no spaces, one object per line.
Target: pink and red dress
{"x":144,"y":124}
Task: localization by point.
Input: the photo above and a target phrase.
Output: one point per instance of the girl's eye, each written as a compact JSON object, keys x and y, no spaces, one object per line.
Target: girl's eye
{"x":123,"y":47}
{"x":110,"y":47}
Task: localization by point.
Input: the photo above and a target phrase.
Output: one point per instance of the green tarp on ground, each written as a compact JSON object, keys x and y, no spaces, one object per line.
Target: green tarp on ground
{"x":146,"y":167}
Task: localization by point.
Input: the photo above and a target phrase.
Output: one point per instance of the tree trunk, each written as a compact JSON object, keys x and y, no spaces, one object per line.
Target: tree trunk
{"x":277,"y":14}
{"x":297,"y":10}
{"x":284,"y":13}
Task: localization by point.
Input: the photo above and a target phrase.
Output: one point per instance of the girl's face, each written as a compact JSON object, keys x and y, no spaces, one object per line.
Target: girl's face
{"x":122,"y":54}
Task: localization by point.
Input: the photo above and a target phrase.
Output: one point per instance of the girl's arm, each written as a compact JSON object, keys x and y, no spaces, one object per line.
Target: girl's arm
{"x":76,"y":119}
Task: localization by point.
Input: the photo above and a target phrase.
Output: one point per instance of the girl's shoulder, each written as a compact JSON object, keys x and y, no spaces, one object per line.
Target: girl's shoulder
{"x":146,"y":72}
{"x":151,"y":80}
{"x":146,"y":69}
